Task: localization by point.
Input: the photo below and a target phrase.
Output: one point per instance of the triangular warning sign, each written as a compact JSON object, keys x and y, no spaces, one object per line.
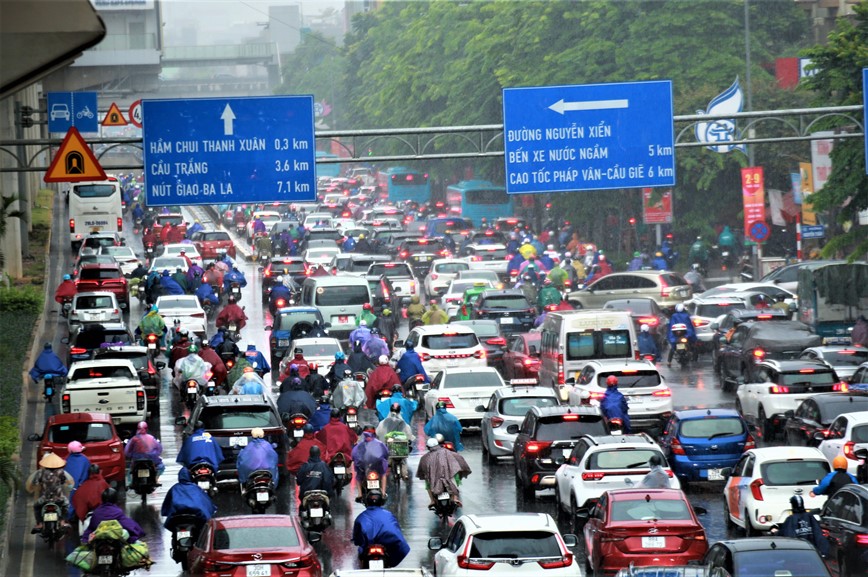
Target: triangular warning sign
{"x":74,"y":161}
{"x":114,"y":117}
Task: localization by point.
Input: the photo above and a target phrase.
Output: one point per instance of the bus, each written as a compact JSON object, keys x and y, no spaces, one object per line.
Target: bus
{"x":331,"y":170}
{"x":475,"y":199}
{"x":404,"y":184}
{"x":94,"y":206}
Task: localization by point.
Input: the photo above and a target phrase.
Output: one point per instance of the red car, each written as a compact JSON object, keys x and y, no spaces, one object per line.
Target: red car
{"x":521,"y":359}
{"x":213,"y":244}
{"x":95,"y":431}
{"x":104,"y":277}
{"x":642,"y":527}
{"x":254,"y":546}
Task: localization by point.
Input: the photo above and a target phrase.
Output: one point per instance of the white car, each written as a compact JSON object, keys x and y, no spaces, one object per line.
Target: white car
{"x":514,"y":544}
{"x":183,"y":308}
{"x":169,"y":263}
{"x":443,"y":270}
{"x":93,"y":307}
{"x":321,"y":255}
{"x":604,"y":463}
{"x":454,"y":295}
{"x":706,"y":310}
{"x":648,"y":396}
{"x":188,"y":249}
{"x":758,"y":490}
{"x":400,"y":275}
{"x":319,"y":219}
{"x":125,"y":256}
{"x":492,"y":257}
{"x":320,"y":351}
{"x":444,"y":347}
{"x":770,"y":290}
{"x":846,"y":434}
{"x":462,"y":389}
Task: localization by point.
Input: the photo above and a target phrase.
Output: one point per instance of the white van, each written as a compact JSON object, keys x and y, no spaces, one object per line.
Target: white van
{"x":339,"y":299}
{"x":572,"y":338}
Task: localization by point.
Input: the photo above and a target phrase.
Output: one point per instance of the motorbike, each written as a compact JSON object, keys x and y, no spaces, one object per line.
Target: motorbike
{"x":152,"y":342}
{"x":143,"y":473}
{"x":52,"y":530}
{"x":235,"y":290}
{"x":616,"y":426}
{"x":340,"y":471}
{"x":209,"y":308}
{"x":108,"y":558}
{"x":295,"y":428}
{"x":444,"y":506}
{"x":66,"y":306}
{"x":274,"y":304}
{"x":190,"y":392}
{"x":351,"y":417}
{"x":184,"y":535}
{"x":204,"y":475}
{"x":372,"y":482}
{"x":241,"y":229}
{"x":373,"y":557}
{"x":50,"y":384}
{"x":259,"y":491}
{"x":149,"y":252}
{"x":399,"y":449}
{"x":232,"y":332}
{"x":413,"y":387}
{"x":140,"y":291}
{"x":682,"y":344}
{"x":314,"y":511}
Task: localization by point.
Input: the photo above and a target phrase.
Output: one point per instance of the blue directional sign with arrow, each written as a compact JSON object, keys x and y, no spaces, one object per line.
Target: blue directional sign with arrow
{"x":589,"y":137}
{"x":229,"y":150}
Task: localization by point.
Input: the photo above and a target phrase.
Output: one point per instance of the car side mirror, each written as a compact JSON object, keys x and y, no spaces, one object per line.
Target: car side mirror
{"x":560,"y":460}
{"x":861,"y":453}
{"x":739,"y":380}
{"x":160,"y":365}
{"x":583,"y":514}
{"x":532,"y":350}
{"x":726,"y":472}
{"x":35,"y":437}
{"x":570,"y":381}
{"x":570,"y":540}
{"x":714,"y":326}
{"x":818,"y":436}
{"x":267,"y":327}
{"x":700,"y":510}
{"x":480,"y":408}
{"x":314,"y":537}
{"x":181,"y":421}
{"x":435,"y":543}
{"x":326,"y":325}
{"x":512,"y":429}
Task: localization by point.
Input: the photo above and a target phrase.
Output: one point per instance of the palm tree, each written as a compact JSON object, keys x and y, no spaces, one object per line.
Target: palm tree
{"x":6,"y":203}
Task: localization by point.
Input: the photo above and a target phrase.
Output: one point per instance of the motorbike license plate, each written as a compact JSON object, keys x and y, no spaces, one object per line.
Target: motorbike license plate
{"x":183,"y":534}
{"x":653,"y":542}
{"x":318,"y":512}
{"x":152,"y":346}
{"x":204,"y":485}
{"x":191,"y":390}
{"x":259,"y":571}
{"x":376,"y":564}
{"x":680,"y":347}
{"x":143,"y":473}
{"x":443,"y":497}
{"x":104,"y":560}
{"x":340,"y":470}
{"x":237,"y":441}
{"x":298,"y":433}
{"x":715,"y":475}
{"x":420,"y":386}
{"x":236,"y":290}
{"x":373,"y":483}
{"x":262,"y":496}
{"x":352,"y":419}
{"x":283,"y":342}
{"x":49,"y":517}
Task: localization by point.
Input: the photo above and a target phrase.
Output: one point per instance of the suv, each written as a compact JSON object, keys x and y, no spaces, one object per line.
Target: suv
{"x":508,"y":307}
{"x":229,"y":419}
{"x":776,"y":387}
{"x":603,"y":463}
{"x":93,"y":307}
{"x":545,"y":438}
{"x":507,"y":406}
{"x":489,"y":257}
{"x":666,"y":288}
{"x":104,"y":277}
{"x":705,"y":310}
{"x":290,"y":323}
{"x":281,"y":266}
{"x":443,"y":270}
{"x":213,"y":244}
{"x":420,"y":252}
{"x":89,"y":338}
{"x":444,"y":346}
{"x":357,"y":264}
{"x":97,"y":240}
{"x":788,"y":276}
{"x":732,"y":319}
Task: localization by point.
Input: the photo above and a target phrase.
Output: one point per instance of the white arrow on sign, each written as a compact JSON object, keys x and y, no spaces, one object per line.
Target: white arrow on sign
{"x":227,"y":117}
{"x":560,"y":106}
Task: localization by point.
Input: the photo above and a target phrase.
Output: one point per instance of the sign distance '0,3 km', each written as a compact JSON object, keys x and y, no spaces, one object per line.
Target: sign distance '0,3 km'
{"x":229,"y":150}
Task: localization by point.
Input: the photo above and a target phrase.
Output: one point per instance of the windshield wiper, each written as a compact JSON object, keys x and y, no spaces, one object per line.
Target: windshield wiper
{"x":716,"y":435}
{"x":635,"y":465}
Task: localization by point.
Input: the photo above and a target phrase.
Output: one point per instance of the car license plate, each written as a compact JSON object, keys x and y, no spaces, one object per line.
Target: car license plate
{"x":423,"y":259}
{"x":183,"y":534}
{"x":152,"y":346}
{"x":297,"y":433}
{"x":262,"y":496}
{"x":237,"y":441}
{"x":373,"y":484}
{"x":376,"y":564}
{"x":283,"y":342}
{"x":680,"y":347}
{"x":715,"y":475}
{"x":104,"y":560}
{"x":204,"y":485}
{"x":653,"y":542}
{"x":318,"y":512}
{"x":221,"y":250}
{"x":49,"y":517}
{"x":451,"y":364}
{"x":259,"y":571}
{"x":507,"y":320}
{"x":143,"y":473}
{"x":340,"y":470}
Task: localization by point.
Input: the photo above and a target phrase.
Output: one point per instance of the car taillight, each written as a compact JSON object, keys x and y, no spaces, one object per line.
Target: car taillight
{"x":778,"y":390}
{"x":570,"y":417}
{"x":151,"y":369}
{"x":497,"y":341}
{"x":676,"y":448}
{"x":664,"y":287}
{"x":120,"y":224}
{"x":476,"y":258}
{"x":496,"y":422}
{"x":116,"y":447}
{"x":861,"y":539}
{"x":841,"y":387}
{"x":434,"y":276}
{"x":72,"y":225}
{"x":404,"y":254}
{"x":479,"y":355}
{"x":446,"y":400}
{"x":564,"y":561}
{"x":425,"y":357}
{"x":595,"y":476}
{"x":140,"y":400}
{"x":662,"y":393}
{"x":466,"y":563}
{"x":198,"y":315}
{"x":597,"y":396}
{"x":756,"y":490}
{"x":213,"y":566}
{"x":749,"y":443}
{"x":529,"y":362}
{"x":848,"y":451}
{"x":561,"y":379}
{"x":700,"y":322}
{"x":759,"y":353}
{"x":65,"y":403}
{"x":77,"y":351}
{"x":534,"y":447}
{"x":650,"y":321}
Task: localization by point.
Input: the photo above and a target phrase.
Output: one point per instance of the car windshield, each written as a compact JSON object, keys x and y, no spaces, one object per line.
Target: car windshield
{"x":423,"y":246}
{"x":849,"y":357}
{"x":489,"y":254}
{"x":450,"y":267}
{"x":99,"y":273}
{"x":797,"y":472}
{"x":327,"y":349}
{"x":215,"y":236}
{"x":484,"y":330}
{"x":178,"y":303}
{"x":792,"y":563}
{"x":505,"y":302}
{"x":514,"y":545}
{"x":81,"y":432}
{"x":286,"y":267}
{"x":623,"y":458}
{"x":254,"y":538}
{"x":631,"y":379}
{"x":97,"y":241}
{"x":450,"y":341}
{"x":569,"y":427}
{"x":169,"y":263}
{"x":391,"y":270}
{"x":653,"y":509}
{"x":287,"y":321}
{"x":165,"y":219}
{"x":467,"y":380}
{"x":343,"y":296}
{"x":804,"y":379}
{"x":94,"y":302}
{"x":717,"y":308}
{"x":92,"y":339}
{"x":101,"y":372}
{"x":478,"y":275}
{"x":519,"y":406}
{"x":712,"y":427}
{"x":238,"y":417}
{"x":838,"y":406}
{"x":598,"y":345}
{"x":458,"y":287}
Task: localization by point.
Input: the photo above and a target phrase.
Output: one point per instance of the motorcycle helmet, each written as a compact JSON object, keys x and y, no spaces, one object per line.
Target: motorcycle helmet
{"x":441,"y":404}
{"x":74,"y":447}
{"x":110,"y":495}
{"x":679,"y":308}
{"x":368,"y":307}
{"x":67,"y":277}
{"x":387,"y":312}
{"x":324,"y":400}
{"x":839,"y":462}
{"x":383,"y":360}
{"x":658,"y":254}
{"x":279,"y":280}
{"x":397,"y":389}
{"x":612,"y":381}
{"x":637,"y":254}
{"x":375,"y":331}
{"x":432,"y":442}
{"x":374,"y":498}
{"x":336,"y":414}
{"x":308,"y":429}
{"x":797,"y":503}
{"x":644,"y":328}
{"x":339,"y":356}
{"x":315,"y":452}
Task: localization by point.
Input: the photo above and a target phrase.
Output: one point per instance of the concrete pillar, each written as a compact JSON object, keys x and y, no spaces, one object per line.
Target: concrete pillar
{"x":11,"y":242}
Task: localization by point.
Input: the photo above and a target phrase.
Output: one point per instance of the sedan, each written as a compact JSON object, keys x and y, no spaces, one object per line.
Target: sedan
{"x":642,"y":527}
{"x":321,"y":256}
{"x":169,"y":263}
{"x":213,"y":244}
{"x":254,"y":546}
{"x":182,"y":308}
{"x":521,"y":359}
{"x":508,"y":406}
{"x":125,"y":256}
{"x":847,"y":435}
{"x":188,"y":249}
{"x":462,"y":389}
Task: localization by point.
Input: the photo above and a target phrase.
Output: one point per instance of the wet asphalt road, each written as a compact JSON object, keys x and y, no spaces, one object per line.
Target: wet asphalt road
{"x":490,"y":489}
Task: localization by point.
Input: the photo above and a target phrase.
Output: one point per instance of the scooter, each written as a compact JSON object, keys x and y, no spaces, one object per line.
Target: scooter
{"x":241,"y":229}
{"x":295,"y":428}
{"x":314,"y":511}
{"x":203,"y":474}
{"x":52,"y":530}
{"x":235,"y":290}
{"x":682,"y":344}
{"x":143,"y":473}
{"x":399,"y":449}
{"x":152,"y":342}
{"x":340,"y":472}
{"x":108,"y":558}
{"x":190,"y":393}
{"x":259,"y":491}
{"x":444,"y":507}
{"x":65,"y":307}
{"x":50,"y":384}
{"x":414,"y":387}
{"x":373,"y":557}
{"x":371,"y":482}
{"x":185,"y":532}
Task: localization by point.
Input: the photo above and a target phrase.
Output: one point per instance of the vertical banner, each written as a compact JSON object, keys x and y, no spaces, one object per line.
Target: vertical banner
{"x":807,"y":177}
{"x":796,"y":180}
{"x":659,"y":210}
{"x":753,"y":195}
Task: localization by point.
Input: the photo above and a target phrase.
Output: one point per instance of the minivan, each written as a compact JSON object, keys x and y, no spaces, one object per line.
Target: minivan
{"x":572,"y":338}
{"x":339,"y":298}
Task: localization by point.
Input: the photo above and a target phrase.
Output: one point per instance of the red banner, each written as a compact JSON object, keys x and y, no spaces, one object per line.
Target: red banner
{"x":753,"y":195}
{"x":656,"y":207}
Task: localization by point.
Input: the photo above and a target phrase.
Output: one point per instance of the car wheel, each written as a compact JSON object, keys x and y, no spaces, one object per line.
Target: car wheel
{"x":576,"y":305}
{"x":562,"y":515}
{"x":487,"y":457}
{"x":589,"y":568}
{"x":575,"y":526}
{"x":528,"y":493}
{"x":768,"y":430}
{"x":749,"y":531}
{"x":730,"y":526}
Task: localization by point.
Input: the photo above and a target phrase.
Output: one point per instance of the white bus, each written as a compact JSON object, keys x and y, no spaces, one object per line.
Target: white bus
{"x":94,"y":207}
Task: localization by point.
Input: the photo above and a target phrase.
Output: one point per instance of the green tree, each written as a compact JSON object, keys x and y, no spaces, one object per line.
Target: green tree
{"x":6,"y":213}
{"x":838,"y":81}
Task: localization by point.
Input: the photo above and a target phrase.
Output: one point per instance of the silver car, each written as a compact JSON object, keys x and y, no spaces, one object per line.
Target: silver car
{"x":508,"y":406}
{"x":845,"y":359}
{"x":93,"y":308}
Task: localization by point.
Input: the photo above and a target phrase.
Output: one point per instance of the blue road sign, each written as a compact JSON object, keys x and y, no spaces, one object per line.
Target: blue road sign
{"x":813,"y":231}
{"x":588,"y":137}
{"x":758,"y":231}
{"x":229,"y":150}
{"x":865,"y":111}
{"x":68,"y":109}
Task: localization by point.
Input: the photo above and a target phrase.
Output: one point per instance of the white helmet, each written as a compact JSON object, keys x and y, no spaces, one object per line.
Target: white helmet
{"x":279,"y":279}
{"x":550,"y":247}
{"x":432,"y":442}
{"x":679,"y":307}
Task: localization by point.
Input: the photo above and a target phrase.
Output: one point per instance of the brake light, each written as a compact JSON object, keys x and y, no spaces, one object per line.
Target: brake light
{"x":373,"y":475}
{"x":806,"y":371}
{"x":497,"y":341}
{"x":759,"y":353}
{"x":151,"y":369}
{"x":465,"y":563}
{"x":77,"y":351}
{"x":778,"y":390}
{"x":749,"y":443}
{"x":676,"y":447}
{"x":564,"y":561}
{"x":841,"y":387}
{"x":404,"y":254}
{"x":664,"y":287}
{"x":756,"y":489}
{"x":65,"y":403}
{"x":530,"y":361}
{"x":650,"y":321}
{"x":198,"y":315}
{"x":534,"y":447}
{"x":700,"y":322}
{"x":267,"y":272}
{"x":120,"y":224}
{"x":848,"y":451}
{"x":298,"y":422}
{"x":597,"y":396}
{"x":214,"y":566}
{"x":376,"y":549}
{"x":151,"y":338}
{"x":446,"y":400}
{"x":434,"y":276}
{"x":479,"y":354}
{"x":561,"y":379}
{"x":72,"y":225}
{"x":595,"y":476}
{"x":667,"y":392}
{"x":571,"y":417}
{"x":424,"y":357}
{"x":280,"y":303}
{"x":140,"y":400}
{"x":496,"y":422}
{"x":862,"y":539}
{"x":764,"y":317}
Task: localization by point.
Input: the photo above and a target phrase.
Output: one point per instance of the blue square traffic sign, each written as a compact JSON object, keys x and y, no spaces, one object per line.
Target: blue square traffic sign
{"x":68,"y":109}
{"x":589,"y":137}
{"x":229,"y":150}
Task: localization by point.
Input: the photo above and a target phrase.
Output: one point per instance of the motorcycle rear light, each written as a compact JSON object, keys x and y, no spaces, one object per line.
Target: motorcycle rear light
{"x":280,"y":303}
{"x":152,"y":338}
{"x":496,"y":422}
{"x":351,"y":411}
{"x":446,"y":400}
{"x":756,"y":491}
{"x":778,"y":390}
{"x":662,"y":393}
{"x":298,"y":422}
{"x":372,"y":476}
{"x":72,"y":225}
{"x":759,"y":353}
{"x":267,"y":272}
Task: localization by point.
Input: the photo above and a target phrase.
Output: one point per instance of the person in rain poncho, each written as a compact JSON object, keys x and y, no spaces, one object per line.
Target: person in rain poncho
{"x":370,"y":454}
{"x":383,"y":377}
{"x":110,"y":511}
{"x":361,"y":334}
{"x":614,"y":404}
{"x":192,"y":367}
{"x":249,"y":384}
{"x":441,"y":469}
{"x":376,"y":345}
{"x":47,"y":363}
{"x":200,"y":447}
{"x":407,"y":406}
{"x":258,"y":455}
{"x":186,"y":498}
{"x":144,"y":445}
{"x":49,"y":483}
{"x":410,"y":364}
{"x":293,"y":399}
{"x":446,"y":424}
{"x":435,"y":315}
{"x":349,"y":392}
{"x":153,"y":323}
{"x":657,"y":478}
{"x":394,"y":422}
{"x":358,"y":361}
{"x":337,"y":436}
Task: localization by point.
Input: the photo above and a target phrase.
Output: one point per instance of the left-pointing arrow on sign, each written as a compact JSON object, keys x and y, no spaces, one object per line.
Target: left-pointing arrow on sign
{"x":227,"y":117}
{"x":560,"y":106}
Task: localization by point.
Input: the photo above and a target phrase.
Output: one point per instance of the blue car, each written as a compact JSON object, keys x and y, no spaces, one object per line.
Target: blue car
{"x":699,"y":443}
{"x":290,"y":323}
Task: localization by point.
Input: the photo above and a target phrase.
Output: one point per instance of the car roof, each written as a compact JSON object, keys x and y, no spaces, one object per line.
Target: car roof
{"x":487,"y":246}
{"x":475,"y":322}
{"x":566,"y":410}
{"x":786,"y":453}
{"x":64,"y":418}
{"x":836,"y":348}
{"x":693,"y":414}
{"x":525,"y":391}
{"x":297,"y":309}
{"x":122,"y":349}
{"x":856,"y":417}
{"x":101,"y":363}
{"x":790,"y":365}
{"x":747,"y":314}
{"x":94,"y":294}
{"x":96,"y":265}
{"x":255,"y":521}
{"x":833,"y":397}
{"x":492,"y":292}
{"x":632,"y":494}
{"x":316,"y":341}
{"x":440,"y":329}
{"x":630,"y":440}
{"x":114,"y":326}
{"x":478,"y":523}
{"x":460,"y":370}
{"x":765,"y":543}
{"x":616,"y":365}
{"x":229,"y":400}
{"x":723,"y":297}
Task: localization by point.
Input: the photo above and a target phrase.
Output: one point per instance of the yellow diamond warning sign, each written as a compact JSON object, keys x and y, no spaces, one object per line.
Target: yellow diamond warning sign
{"x":74,"y":161}
{"x":114,"y":117}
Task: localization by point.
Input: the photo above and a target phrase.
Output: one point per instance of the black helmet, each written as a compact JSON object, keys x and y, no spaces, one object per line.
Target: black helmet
{"x":324,"y":400}
{"x":655,"y":460}
{"x":336,"y":414}
{"x":315,"y":453}
{"x":797,"y":504}
{"x":395,"y":408}
{"x":396,"y":388}
{"x":373,"y":498}
{"x":110,"y":495}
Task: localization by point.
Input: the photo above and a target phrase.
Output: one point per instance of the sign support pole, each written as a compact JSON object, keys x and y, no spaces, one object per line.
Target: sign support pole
{"x":799,"y":237}
{"x":658,"y":234}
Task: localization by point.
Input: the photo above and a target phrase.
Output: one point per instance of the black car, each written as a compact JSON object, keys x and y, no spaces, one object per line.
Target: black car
{"x":734,"y":318}
{"x":764,"y":556}
{"x":546,"y":436}
{"x":149,"y":372}
{"x":808,"y":425}
{"x":419,"y":253}
{"x":844,"y":519}
{"x":509,"y":307}
{"x":90,"y":337}
{"x":752,"y":342}
{"x":319,"y":234}
{"x":229,"y":419}
{"x":282,"y":266}
{"x":491,"y":338}
{"x":387,"y":241}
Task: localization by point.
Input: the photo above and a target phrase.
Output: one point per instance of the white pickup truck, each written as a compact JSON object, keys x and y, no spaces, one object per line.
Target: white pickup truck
{"x":105,"y":386}
{"x":401,"y":276}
